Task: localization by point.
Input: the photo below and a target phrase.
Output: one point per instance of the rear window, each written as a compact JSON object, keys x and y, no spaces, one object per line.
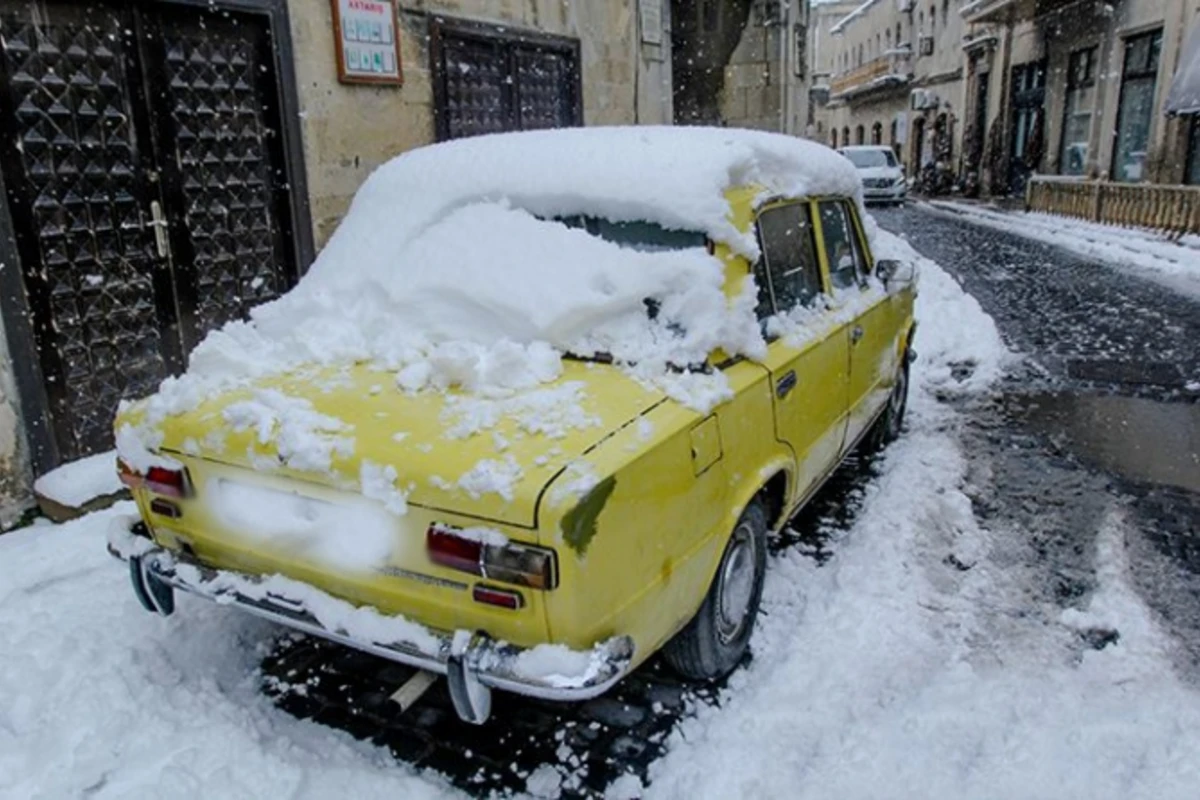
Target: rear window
{"x":864,"y":159}
{"x":645,"y":236}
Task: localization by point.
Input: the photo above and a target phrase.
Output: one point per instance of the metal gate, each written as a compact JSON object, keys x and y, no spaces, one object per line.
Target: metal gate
{"x":488,"y":79}
{"x":146,"y":189}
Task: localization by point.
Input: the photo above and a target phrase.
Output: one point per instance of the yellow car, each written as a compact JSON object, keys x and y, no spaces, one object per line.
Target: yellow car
{"x":642,"y":530}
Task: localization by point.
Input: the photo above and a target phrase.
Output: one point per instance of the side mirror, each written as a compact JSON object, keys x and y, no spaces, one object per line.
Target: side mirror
{"x":895,"y":274}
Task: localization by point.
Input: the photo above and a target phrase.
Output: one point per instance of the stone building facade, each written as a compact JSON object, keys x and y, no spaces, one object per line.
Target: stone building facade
{"x":116,"y":261}
{"x":987,"y":92}
{"x":1079,"y":89}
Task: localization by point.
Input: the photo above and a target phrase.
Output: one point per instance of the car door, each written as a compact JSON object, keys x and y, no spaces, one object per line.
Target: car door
{"x":810,"y":375}
{"x":871,"y":331}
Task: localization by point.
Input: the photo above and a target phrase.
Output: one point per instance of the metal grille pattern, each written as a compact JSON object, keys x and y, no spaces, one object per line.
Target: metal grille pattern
{"x":220,"y":145}
{"x":79,"y":159}
{"x":488,"y":80}
{"x":477,"y":89}
{"x":543,"y":81}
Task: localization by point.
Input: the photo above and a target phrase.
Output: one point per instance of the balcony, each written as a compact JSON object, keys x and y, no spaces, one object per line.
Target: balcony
{"x":1007,"y":11}
{"x":892,"y":69}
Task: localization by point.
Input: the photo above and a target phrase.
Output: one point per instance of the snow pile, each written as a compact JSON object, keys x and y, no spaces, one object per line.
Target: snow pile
{"x":77,"y":483}
{"x":303,"y":438}
{"x":547,"y":412}
{"x":451,"y":271}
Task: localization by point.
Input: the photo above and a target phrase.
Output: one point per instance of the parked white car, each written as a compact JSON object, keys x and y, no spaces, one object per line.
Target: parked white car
{"x":882,"y":176}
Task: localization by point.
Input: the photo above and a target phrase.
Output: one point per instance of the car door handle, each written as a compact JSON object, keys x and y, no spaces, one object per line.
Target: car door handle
{"x":785,"y":384}
{"x":855,"y":334}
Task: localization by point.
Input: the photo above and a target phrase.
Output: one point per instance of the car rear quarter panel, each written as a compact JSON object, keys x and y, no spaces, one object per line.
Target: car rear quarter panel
{"x":660,"y":529}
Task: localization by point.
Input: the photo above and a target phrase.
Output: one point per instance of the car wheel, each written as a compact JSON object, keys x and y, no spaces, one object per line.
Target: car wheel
{"x":716,"y":639}
{"x":887,"y":428}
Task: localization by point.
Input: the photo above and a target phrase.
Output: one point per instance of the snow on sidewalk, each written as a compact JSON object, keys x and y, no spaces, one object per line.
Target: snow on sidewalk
{"x":1147,"y":252}
{"x":882,"y":674}
{"x":77,"y":483}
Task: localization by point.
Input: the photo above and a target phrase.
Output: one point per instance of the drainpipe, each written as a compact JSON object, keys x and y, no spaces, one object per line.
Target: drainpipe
{"x":784,"y":8}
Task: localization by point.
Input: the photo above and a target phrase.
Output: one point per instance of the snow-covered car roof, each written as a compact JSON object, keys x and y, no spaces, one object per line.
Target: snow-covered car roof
{"x":674,"y":176}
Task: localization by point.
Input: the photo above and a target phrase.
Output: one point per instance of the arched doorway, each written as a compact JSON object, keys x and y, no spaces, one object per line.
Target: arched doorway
{"x":877,"y":133}
{"x":833,"y":139}
{"x":860,"y":135}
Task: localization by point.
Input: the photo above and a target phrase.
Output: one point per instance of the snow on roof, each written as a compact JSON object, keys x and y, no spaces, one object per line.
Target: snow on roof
{"x":451,"y":269}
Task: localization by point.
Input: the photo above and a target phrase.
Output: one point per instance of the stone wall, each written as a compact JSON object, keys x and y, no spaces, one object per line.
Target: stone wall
{"x":14,"y":467}
{"x":761,"y":88}
{"x":350,"y":130}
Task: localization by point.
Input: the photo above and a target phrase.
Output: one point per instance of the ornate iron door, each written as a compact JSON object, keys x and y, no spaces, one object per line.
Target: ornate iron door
{"x":224,"y":178}
{"x":144,"y":183}
{"x":79,"y":182}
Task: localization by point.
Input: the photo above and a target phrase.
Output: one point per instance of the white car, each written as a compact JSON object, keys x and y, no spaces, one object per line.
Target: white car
{"x":882,"y":176}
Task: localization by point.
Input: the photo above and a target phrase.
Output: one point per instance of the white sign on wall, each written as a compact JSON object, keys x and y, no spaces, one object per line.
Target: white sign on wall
{"x":651,"y":18}
{"x":901,"y":128}
{"x":368,"y":49}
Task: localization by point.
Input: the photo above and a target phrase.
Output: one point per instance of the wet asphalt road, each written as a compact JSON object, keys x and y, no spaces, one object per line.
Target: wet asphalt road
{"x":1095,"y":421}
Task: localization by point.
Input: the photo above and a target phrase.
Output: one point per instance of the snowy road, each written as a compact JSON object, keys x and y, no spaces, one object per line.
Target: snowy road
{"x":985,"y":619}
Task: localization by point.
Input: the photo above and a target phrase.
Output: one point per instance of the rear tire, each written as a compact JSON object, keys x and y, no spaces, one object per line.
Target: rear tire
{"x":717,"y":638}
{"x":887,"y":428}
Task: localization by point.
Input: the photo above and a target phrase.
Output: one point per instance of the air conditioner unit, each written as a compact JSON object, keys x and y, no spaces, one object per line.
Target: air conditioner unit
{"x":925,"y":46}
{"x":931,"y":100}
{"x":918,"y":99}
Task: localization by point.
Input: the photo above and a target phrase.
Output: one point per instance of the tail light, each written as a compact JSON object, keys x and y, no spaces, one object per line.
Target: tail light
{"x":517,"y":564}
{"x":159,"y":480}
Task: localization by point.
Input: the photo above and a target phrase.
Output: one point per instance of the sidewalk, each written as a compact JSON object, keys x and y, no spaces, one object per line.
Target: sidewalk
{"x":1148,"y":253}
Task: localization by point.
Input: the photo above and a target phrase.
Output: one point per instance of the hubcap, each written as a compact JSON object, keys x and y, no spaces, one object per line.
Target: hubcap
{"x":737,"y":585}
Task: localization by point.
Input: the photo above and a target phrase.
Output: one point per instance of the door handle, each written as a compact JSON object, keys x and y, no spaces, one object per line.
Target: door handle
{"x":785,"y":384}
{"x":159,"y":223}
{"x":855,"y":334}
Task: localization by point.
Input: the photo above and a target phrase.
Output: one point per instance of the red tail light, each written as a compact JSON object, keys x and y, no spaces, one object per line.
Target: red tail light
{"x":159,"y":480}
{"x":492,"y":596}
{"x":453,"y":551}
{"x":508,"y":563}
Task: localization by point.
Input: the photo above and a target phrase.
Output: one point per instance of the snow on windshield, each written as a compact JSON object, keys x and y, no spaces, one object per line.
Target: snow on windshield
{"x":866,"y":159}
{"x":478,"y":263}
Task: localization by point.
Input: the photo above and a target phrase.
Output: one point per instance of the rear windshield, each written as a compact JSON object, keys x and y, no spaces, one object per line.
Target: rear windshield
{"x":645,"y":236}
{"x":870,"y":158}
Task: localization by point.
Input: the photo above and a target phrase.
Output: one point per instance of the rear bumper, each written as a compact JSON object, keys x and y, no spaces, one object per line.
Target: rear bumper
{"x":473,"y":662}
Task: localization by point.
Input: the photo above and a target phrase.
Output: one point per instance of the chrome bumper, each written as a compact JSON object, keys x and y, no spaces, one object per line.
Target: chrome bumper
{"x":473,"y":663}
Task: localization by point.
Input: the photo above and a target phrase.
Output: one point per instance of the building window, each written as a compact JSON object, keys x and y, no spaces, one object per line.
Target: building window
{"x":845,"y":135}
{"x":899,"y":34}
{"x":889,"y":38}
{"x":1192,"y":176}
{"x":859,"y":135}
{"x":933,"y":20}
{"x":833,"y":138}
{"x":1077,"y":112}
{"x":877,"y":133}
{"x":945,"y":12}
{"x":1136,"y":109}
{"x":921,"y":22}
